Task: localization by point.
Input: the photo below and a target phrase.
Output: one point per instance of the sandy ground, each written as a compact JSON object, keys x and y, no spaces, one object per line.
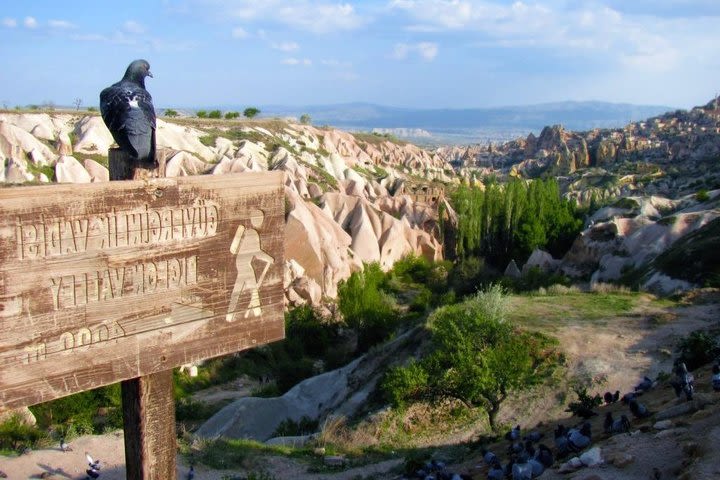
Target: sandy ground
{"x":619,"y":353}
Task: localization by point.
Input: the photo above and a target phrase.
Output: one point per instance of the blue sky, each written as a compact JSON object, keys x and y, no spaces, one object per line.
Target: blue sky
{"x":411,"y":53}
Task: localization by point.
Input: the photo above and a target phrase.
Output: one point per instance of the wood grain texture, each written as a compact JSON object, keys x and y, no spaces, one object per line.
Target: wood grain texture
{"x":149,"y":427}
{"x":105,"y":282}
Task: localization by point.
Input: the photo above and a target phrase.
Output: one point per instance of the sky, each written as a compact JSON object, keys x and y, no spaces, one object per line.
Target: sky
{"x":404,"y":53}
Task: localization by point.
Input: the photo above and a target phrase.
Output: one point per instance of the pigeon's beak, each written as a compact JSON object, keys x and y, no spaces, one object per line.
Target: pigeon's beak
{"x":149,"y":74}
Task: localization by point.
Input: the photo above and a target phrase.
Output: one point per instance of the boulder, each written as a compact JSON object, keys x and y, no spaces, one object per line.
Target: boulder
{"x":17,"y":144}
{"x":98,"y":173}
{"x":542,"y":260}
{"x":182,"y":164}
{"x":93,"y":136}
{"x":179,"y":137}
{"x":69,"y":170}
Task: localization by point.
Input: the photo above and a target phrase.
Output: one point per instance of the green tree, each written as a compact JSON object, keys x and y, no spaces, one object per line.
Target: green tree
{"x":366,"y":308}
{"x":477,"y":357}
{"x":305,"y":119}
{"x":169,"y":112}
{"x":201,"y":114}
{"x":214,"y":114}
{"x":251,"y":112}
{"x":232,"y":115}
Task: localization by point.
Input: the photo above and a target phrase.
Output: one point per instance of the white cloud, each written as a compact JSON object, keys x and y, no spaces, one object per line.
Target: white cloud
{"x":321,"y":18}
{"x":61,"y":24}
{"x":297,"y":61}
{"x":30,"y":22}
{"x":425,"y":50}
{"x":307,"y":15}
{"x":9,"y":22}
{"x":286,"y":46}
{"x":239,"y":32}
{"x":131,"y":26}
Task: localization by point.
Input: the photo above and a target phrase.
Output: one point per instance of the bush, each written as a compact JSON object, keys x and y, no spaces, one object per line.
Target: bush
{"x":214,"y":114}
{"x":366,"y":308}
{"x":251,"y":112}
{"x":702,"y":195}
{"x":201,"y":114}
{"x":291,"y":428}
{"x":697,"y":349}
{"x":169,"y":112}
{"x":232,"y":115}
{"x":305,"y":119}
{"x":585,"y":402}
{"x":15,"y":435}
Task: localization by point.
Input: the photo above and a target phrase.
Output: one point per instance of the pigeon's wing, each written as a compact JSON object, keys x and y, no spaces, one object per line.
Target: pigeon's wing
{"x":128,"y":112}
{"x":89,"y":458}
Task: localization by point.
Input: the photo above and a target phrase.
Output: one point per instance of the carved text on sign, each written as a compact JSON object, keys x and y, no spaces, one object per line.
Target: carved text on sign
{"x":94,"y":233}
{"x":70,"y":291}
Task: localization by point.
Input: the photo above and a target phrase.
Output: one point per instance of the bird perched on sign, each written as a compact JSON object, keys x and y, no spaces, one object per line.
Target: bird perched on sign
{"x":128,"y":112}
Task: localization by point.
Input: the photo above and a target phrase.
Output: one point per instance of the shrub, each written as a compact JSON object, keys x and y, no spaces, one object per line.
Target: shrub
{"x":251,"y":112}
{"x":702,"y":195}
{"x":214,"y":114}
{"x":697,"y":349}
{"x":585,"y":402}
{"x":291,"y":428}
{"x":366,"y":308}
{"x":232,"y":115}
{"x":169,"y":112}
{"x":201,"y":114}
{"x":15,"y":435}
{"x":305,"y":119}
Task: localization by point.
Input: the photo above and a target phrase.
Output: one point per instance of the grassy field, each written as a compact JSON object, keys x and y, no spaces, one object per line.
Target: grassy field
{"x":551,"y":311}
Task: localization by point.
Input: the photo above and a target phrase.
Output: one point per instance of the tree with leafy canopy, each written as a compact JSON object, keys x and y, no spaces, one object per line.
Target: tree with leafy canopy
{"x":478,"y":358}
{"x":305,"y":119}
{"x":251,"y":112}
{"x":169,"y":112}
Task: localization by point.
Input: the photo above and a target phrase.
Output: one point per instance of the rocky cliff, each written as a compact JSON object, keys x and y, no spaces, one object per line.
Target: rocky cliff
{"x":350,"y":198}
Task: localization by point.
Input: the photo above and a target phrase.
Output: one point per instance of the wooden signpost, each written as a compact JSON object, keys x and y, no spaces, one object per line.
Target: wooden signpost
{"x":123,"y":281}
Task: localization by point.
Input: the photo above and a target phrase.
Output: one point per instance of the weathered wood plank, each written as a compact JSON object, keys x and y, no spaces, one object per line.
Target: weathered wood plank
{"x":105,"y":282}
{"x":149,"y":427}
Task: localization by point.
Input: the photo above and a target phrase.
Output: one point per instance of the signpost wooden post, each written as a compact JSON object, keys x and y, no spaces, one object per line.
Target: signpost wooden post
{"x":123,"y":281}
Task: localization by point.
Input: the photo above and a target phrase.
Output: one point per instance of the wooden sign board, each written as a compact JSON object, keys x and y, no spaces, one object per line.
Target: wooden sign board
{"x":110,"y":281}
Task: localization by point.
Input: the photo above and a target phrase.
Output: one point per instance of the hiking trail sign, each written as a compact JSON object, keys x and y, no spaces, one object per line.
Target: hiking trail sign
{"x":106,"y":282}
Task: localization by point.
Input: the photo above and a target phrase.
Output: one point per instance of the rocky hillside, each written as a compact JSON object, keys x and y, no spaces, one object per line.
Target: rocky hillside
{"x":350,"y":198}
{"x":673,"y":154}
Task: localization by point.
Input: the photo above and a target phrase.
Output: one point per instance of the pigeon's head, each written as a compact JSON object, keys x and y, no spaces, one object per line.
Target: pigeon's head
{"x":137,"y":71}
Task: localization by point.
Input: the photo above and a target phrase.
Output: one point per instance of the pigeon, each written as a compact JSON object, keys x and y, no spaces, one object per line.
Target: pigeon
{"x":3,"y":474}
{"x":638,"y":409}
{"x":620,"y":425}
{"x":128,"y":112}
{"x":715,"y":380}
{"x":91,"y":473}
{"x":533,"y":436}
{"x":191,"y":473}
{"x":488,"y":456}
{"x":513,"y":434}
{"x":522,"y":469}
{"x":579,"y":439}
{"x":544,"y":455}
{"x":94,"y":464}
{"x":608,"y":424}
{"x":685,"y":382}
{"x":645,"y":385}
{"x":496,"y":471}
{"x":611,"y":397}
{"x":629,"y":397}
{"x":64,"y":446}
{"x":562,"y":446}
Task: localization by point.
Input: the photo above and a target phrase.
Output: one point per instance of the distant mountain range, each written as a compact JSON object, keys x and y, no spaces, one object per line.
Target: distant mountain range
{"x":572,"y":115}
